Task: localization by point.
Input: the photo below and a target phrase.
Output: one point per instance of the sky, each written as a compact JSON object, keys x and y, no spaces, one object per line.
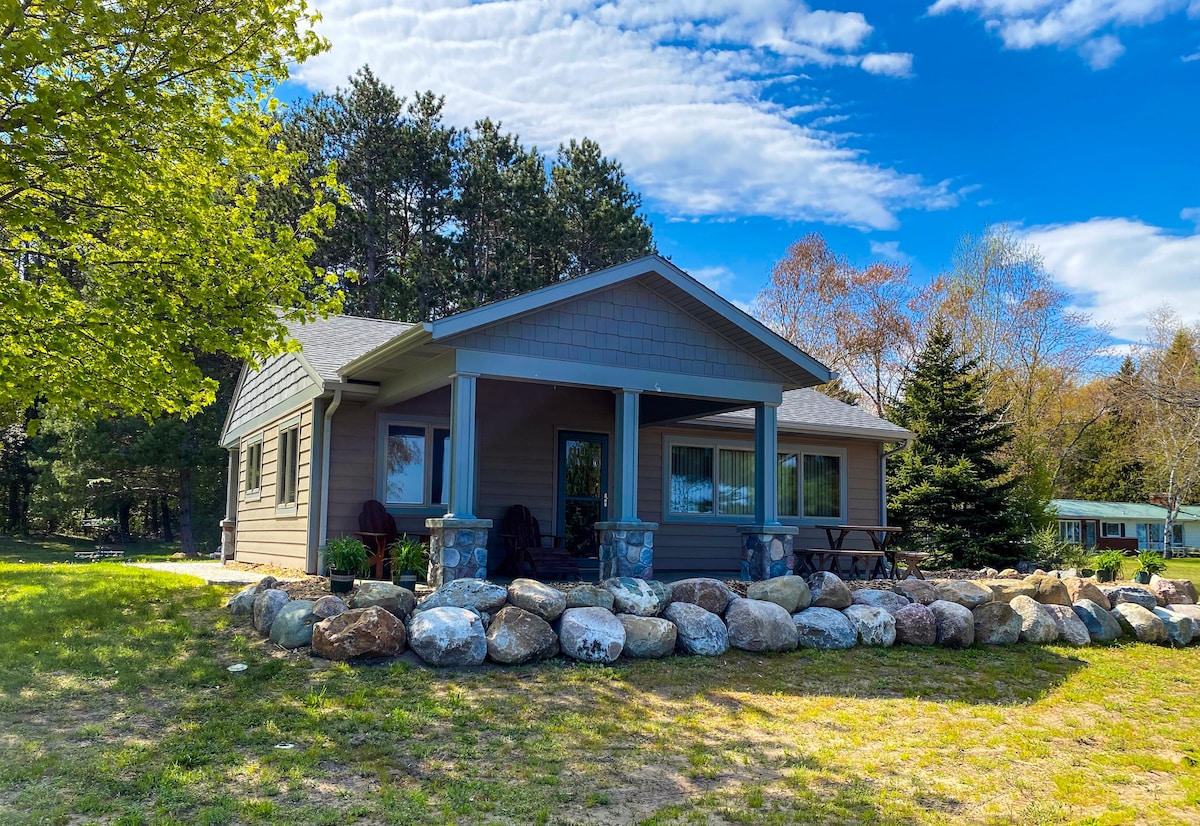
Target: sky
{"x":891,"y":127}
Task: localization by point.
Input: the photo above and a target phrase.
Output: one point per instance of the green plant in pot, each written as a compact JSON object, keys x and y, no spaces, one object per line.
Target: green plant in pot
{"x":409,"y":561}
{"x":347,"y":558}
{"x":1150,"y":563}
{"x":1108,"y":565}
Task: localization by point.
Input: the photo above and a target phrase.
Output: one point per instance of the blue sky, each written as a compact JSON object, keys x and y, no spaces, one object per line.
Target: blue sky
{"x":890,"y":127}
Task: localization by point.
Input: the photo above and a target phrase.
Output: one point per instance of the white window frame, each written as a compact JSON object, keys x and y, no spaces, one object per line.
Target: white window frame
{"x":288,"y":507}
{"x":252,"y":494}
{"x":429,"y":424}
{"x":748,"y":447}
{"x":1106,"y":534}
{"x":1065,"y":532}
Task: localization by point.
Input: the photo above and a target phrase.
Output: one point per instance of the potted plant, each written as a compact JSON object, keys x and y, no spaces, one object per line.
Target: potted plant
{"x":1108,"y":565}
{"x":1150,"y":563}
{"x":409,"y":561}
{"x":347,"y":557}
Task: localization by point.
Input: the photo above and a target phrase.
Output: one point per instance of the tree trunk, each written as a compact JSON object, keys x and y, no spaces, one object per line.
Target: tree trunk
{"x":167,"y":535}
{"x":123,"y":511}
{"x":187,"y":542}
{"x":152,"y":520}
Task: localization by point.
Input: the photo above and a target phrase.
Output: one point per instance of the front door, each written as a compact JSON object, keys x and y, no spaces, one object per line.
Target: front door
{"x":582,"y":489}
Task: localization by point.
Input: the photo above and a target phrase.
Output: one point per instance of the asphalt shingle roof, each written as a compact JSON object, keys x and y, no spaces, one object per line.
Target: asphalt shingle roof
{"x":332,"y":343}
{"x":809,"y":409}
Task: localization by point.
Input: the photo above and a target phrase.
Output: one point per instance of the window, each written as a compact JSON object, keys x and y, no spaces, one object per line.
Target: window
{"x":288,"y":465}
{"x":416,"y":465}
{"x":810,"y":485}
{"x":1177,"y":534}
{"x":1069,"y":531}
{"x":1112,"y":529}
{"x":253,"y":469}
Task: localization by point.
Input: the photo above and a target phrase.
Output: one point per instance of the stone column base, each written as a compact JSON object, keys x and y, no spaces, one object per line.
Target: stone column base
{"x":626,"y":549}
{"x":457,"y":549}
{"x":767,"y":551}
{"x":228,"y":539}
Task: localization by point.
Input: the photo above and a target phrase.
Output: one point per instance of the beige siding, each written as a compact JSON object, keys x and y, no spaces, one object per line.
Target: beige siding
{"x":267,"y":534}
{"x":280,"y":378}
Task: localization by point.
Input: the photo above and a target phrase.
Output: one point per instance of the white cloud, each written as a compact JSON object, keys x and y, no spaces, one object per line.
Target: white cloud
{"x":1191,"y":214}
{"x":675,"y":90}
{"x":1190,"y":58}
{"x":1085,"y":25}
{"x":1120,"y":270}
{"x":889,"y":250}
{"x":715,"y":278}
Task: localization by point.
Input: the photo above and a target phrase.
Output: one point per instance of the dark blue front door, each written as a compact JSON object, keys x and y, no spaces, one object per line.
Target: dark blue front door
{"x":582,"y":488}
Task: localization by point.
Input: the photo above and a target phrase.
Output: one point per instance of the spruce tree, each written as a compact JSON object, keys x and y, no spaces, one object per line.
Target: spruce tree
{"x":949,"y":490}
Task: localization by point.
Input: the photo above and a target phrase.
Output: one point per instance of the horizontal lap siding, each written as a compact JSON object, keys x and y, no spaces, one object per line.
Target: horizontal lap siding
{"x":264,"y":536}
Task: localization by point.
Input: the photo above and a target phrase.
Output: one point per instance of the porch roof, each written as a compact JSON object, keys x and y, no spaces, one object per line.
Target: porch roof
{"x":810,"y":411}
{"x":1117,"y":511}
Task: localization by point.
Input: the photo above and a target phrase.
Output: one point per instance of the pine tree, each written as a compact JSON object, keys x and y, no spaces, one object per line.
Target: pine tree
{"x":948,"y":490}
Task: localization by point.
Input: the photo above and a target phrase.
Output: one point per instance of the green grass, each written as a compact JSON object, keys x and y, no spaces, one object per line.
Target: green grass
{"x":18,"y":549}
{"x":1178,"y":569}
{"x":116,"y":708}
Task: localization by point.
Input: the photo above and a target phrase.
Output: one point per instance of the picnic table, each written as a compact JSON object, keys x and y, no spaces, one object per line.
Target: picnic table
{"x":878,"y":563}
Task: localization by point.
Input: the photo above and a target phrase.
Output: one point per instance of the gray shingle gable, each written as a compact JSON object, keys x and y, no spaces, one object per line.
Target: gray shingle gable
{"x":330,"y":344}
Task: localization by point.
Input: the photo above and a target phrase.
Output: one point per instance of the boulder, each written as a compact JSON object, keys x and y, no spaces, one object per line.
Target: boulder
{"x":518,"y":636}
{"x":1101,"y":625}
{"x":448,"y":636}
{"x":1118,"y":594}
{"x":988,"y":573}
{"x":828,"y":591}
{"x":537,"y":598}
{"x":293,"y":625}
{"x":266,"y":607}
{"x":591,"y":635}
{"x":362,"y":632}
{"x":918,"y":590}
{"x":267,"y":582}
{"x":1003,"y":590}
{"x":712,"y":595}
{"x":874,"y":625}
{"x":791,"y":593}
{"x":698,"y":631}
{"x":645,"y":598}
{"x":1049,"y":590}
{"x":1079,"y":588}
{"x":969,"y":595}
{"x":329,"y":606}
{"x":1037,"y":624}
{"x":759,"y":625}
{"x":825,"y":628}
{"x":391,"y":598}
{"x":1010,"y":572}
{"x":889,"y":601}
{"x":955,"y":623}
{"x":241,"y":604}
{"x":479,"y":594}
{"x":1192,"y":612}
{"x":1180,"y":628}
{"x":1139,"y":622}
{"x":1071,"y":629}
{"x":648,"y":637}
{"x":915,"y":625}
{"x":1173,"y":591}
{"x":996,"y":623}
{"x":589,"y":596}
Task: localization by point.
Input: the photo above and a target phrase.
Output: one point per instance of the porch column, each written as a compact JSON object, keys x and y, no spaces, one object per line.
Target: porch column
{"x":229,"y":523}
{"x":768,"y":548}
{"x":626,"y":543}
{"x":626,"y":483}
{"x":458,"y":541}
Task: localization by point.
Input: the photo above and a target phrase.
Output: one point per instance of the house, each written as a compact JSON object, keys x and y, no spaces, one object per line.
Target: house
{"x":1126,"y":526}
{"x":631,"y":409}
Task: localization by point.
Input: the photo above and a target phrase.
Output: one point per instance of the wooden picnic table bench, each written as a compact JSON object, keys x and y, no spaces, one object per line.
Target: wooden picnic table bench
{"x":101,"y":552}
{"x":880,"y":536}
{"x":863,"y":564}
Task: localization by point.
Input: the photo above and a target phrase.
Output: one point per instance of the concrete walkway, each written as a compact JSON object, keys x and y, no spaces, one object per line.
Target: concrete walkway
{"x":213,"y":573}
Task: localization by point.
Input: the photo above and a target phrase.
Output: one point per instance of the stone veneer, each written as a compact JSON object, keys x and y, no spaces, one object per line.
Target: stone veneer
{"x":457,"y":549}
{"x":626,"y":549}
{"x":767,"y":551}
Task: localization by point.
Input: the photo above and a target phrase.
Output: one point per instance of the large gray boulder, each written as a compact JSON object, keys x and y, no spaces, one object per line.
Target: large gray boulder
{"x":875,"y":626}
{"x":645,"y":598}
{"x":1003,"y":590}
{"x":996,"y":623}
{"x":825,"y":628}
{"x":1140,"y":623}
{"x":361,"y":632}
{"x":478,"y":594}
{"x":537,"y":598}
{"x":759,"y":625}
{"x":698,"y":631}
{"x":590,"y":596}
{"x":1071,"y":629}
{"x":791,"y":593}
{"x":915,"y":625}
{"x":962,"y":592}
{"x":828,"y":591}
{"x":1080,"y":588}
{"x":1132,"y":594}
{"x":518,"y":636}
{"x":1173,"y":591}
{"x":293,"y":625}
{"x":1049,"y":590}
{"x":329,"y":606}
{"x":591,"y":635}
{"x":448,"y":636}
{"x":1192,"y":612}
{"x":1101,"y":625}
{"x":241,"y":604}
{"x":889,"y":601}
{"x":266,"y":606}
{"x":955,"y":623}
{"x":918,"y":590}
{"x":712,"y":595}
{"x":391,"y":598}
{"x":1180,"y":628}
{"x":648,"y":637}
{"x":1037,"y":624}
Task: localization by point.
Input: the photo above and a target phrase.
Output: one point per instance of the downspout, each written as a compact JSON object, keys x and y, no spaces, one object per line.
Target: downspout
{"x":326,"y":429}
{"x":883,"y":457}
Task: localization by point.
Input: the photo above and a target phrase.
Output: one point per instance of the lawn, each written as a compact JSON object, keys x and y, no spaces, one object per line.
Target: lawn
{"x":116,"y":707}
{"x":62,"y":549}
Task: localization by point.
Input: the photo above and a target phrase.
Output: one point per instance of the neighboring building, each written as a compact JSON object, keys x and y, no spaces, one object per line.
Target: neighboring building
{"x":1123,"y":525}
{"x":633,"y":398}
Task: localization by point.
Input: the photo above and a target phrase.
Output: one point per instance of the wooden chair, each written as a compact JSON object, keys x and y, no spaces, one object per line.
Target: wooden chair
{"x":531,"y":552}
{"x":377,"y":530}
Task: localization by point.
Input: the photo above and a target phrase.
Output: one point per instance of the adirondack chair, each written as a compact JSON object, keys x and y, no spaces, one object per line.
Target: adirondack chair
{"x":532,"y":553}
{"x":377,"y":530}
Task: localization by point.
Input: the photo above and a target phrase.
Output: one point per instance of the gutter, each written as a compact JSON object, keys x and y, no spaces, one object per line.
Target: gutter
{"x":326,"y":433}
{"x":883,"y":457}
